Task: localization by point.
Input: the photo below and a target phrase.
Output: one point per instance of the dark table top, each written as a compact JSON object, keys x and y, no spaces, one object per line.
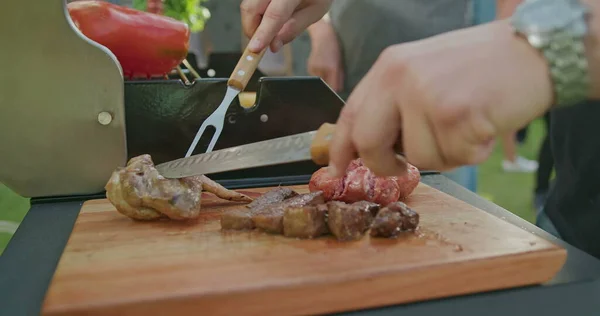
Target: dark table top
{"x":29,"y":261}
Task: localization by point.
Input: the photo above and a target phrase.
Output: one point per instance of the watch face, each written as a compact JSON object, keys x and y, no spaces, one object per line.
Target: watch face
{"x":544,"y":16}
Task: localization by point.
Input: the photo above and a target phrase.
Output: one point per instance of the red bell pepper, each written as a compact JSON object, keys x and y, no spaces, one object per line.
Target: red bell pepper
{"x":146,"y":44}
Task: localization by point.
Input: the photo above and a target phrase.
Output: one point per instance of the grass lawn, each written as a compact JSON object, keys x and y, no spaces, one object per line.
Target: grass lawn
{"x":513,"y":191}
{"x":12,"y":210}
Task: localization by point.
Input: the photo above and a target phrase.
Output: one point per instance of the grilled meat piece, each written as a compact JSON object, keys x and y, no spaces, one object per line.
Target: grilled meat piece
{"x":393,"y":219}
{"x":312,"y":198}
{"x":369,"y":206}
{"x":271,"y":197}
{"x":307,"y":216}
{"x":348,"y":221}
{"x":140,"y":192}
{"x":239,"y":219}
{"x":360,"y":184}
{"x":305,"y":221}
{"x":270,"y":217}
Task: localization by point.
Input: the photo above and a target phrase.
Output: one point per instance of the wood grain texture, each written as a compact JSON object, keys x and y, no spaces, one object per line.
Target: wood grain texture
{"x":115,"y":266}
{"x":245,"y":68}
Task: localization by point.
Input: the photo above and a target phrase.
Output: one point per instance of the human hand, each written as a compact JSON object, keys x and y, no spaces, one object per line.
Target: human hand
{"x":447,"y":97}
{"x":325,"y":59}
{"x":278,"y":22}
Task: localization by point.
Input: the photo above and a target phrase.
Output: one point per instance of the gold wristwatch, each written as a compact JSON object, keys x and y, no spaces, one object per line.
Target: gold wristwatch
{"x":557,"y":28}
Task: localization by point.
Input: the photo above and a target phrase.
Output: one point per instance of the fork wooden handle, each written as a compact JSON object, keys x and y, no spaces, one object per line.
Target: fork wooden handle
{"x":319,"y":148}
{"x":245,"y":68}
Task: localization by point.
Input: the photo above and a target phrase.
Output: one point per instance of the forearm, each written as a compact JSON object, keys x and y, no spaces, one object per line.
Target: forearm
{"x":316,"y":29}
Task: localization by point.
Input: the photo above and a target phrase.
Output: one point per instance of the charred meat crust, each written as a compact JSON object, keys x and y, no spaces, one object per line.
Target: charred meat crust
{"x":348,"y":221}
{"x":240,"y":219}
{"x":270,"y":217}
{"x":268,"y":212}
{"x":271,"y":197}
{"x":305,"y":221}
{"x":369,"y":206}
{"x":269,"y":220}
{"x":394,"y":219}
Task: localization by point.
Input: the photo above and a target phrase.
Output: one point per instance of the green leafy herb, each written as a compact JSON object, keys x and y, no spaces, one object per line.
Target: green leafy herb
{"x":190,"y":12}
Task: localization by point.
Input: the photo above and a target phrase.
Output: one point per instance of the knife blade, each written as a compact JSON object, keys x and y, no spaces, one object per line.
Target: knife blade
{"x":312,"y":145}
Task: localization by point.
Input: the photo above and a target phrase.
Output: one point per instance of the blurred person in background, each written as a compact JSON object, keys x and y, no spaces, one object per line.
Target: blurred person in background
{"x":347,"y":41}
{"x":544,"y":172}
{"x":512,"y":161}
{"x":522,"y":135}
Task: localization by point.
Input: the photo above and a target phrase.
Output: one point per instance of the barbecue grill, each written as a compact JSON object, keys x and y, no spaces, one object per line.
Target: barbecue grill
{"x":68,"y":118}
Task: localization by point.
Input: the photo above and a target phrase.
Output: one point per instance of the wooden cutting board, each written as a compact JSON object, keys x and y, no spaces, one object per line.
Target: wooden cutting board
{"x":115,"y":266}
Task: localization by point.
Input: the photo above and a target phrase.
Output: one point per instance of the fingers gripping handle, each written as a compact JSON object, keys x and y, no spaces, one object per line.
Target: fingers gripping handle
{"x":319,"y":148}
{"x":245,"y":68}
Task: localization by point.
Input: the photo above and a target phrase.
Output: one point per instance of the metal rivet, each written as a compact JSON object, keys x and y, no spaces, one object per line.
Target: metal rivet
{"x":211,"y":72}
{"x":104,"y":118}
{"x":231,"y":119}
{"x":264,"y":118}
{"x":249,"y":58}
{"x":241,"y":72}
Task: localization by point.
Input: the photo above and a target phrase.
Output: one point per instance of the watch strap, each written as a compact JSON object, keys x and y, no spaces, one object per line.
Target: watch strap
{"x":568,"y":68}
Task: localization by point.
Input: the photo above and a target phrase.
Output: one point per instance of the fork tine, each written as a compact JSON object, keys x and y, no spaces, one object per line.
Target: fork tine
{"x":213,"y":141}
{"x":197,"y":137}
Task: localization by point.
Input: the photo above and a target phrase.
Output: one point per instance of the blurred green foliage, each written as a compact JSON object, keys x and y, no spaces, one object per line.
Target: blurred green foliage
{"x":190,"y":12}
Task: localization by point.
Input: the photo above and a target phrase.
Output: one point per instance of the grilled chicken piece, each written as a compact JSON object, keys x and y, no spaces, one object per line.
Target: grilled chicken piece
{"x":221,"y":192}
{"x":140,"y":192}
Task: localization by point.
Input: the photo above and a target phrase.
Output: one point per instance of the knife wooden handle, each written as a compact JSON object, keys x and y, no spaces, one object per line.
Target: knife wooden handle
{"x":319,"y":148}
{"x":245,"y":68}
